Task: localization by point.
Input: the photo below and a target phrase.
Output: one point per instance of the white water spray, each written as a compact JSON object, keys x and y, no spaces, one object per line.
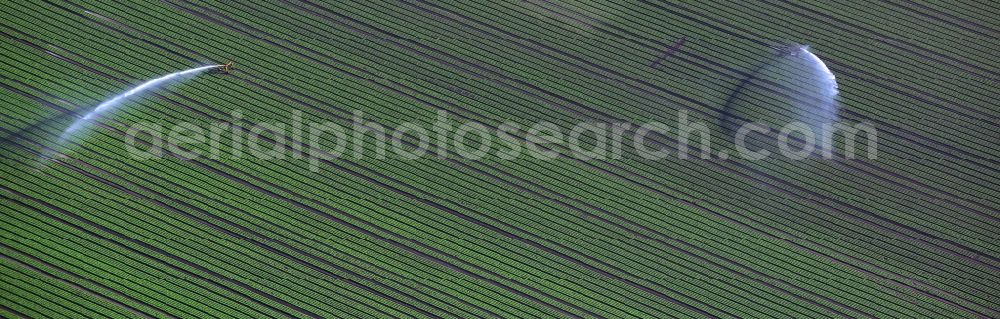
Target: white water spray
{"x":821,"y":111}
{"x":828,"y":82}
{"x":118,"y":100}
{"x":793,"y":89}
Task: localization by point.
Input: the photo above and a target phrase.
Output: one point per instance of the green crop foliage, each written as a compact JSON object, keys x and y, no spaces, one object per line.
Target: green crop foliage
{"x":97,"y":232}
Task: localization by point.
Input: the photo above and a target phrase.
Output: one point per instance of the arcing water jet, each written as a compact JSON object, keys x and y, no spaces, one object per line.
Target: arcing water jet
{"x":792,"y":87}
{"x":118,"y":100}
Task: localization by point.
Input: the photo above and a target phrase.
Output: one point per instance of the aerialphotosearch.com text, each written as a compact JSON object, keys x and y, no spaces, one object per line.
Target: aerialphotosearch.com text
{"x":444,"y":137}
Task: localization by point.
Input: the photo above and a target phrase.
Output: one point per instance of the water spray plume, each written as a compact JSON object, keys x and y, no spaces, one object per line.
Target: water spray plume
{"x":829,"y":81}
{"x":793,"y":86}
{"x":116,"y":101}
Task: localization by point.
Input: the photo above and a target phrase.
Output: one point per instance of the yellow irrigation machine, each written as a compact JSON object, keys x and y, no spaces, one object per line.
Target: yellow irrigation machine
{"x":226,"y":68}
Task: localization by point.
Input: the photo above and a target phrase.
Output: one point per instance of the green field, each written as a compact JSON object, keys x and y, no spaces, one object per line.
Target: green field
{"x":89,"y":230}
